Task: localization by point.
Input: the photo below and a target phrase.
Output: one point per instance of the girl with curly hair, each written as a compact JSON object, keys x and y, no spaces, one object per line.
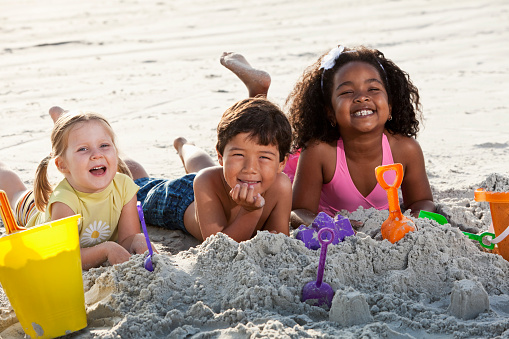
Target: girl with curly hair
{"x":351,"y":111}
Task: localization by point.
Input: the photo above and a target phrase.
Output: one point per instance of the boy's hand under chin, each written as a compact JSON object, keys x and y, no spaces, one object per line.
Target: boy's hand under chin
{"x":243,"y":195}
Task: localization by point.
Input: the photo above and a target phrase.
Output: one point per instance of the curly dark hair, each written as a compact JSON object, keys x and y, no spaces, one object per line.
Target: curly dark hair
{"x":307,"y":108}
{"x":259,"y":117}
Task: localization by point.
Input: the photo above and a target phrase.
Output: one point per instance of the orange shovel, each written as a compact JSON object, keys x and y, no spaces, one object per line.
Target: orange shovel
{"x":396,"y":225}
{"x":7,"y":216}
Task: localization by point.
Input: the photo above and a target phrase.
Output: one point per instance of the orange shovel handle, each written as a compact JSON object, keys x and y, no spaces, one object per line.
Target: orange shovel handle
{"x":380,"y":170}
{"x":7,"y":216}
{"x":392,"y":190}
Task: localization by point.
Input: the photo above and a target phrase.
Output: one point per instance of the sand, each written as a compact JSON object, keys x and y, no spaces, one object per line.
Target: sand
{"x":152,"y":68}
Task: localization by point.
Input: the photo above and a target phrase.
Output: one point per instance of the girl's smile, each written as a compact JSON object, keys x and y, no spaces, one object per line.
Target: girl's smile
{"x":363,"y":113}
{"x":98,"y":171}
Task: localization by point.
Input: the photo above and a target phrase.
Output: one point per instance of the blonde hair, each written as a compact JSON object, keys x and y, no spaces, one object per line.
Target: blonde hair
{"x":59,"y":143}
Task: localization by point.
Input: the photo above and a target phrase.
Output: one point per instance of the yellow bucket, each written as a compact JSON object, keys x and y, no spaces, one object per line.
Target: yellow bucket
{"x":40,"y":272}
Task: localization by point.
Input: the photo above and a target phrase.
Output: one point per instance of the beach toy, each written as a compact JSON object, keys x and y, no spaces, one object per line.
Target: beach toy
{"x":7,"y":216}
{"x":40,"y":272}
{"x":483,"y":238}
{"x":149,"y":266}
{"x":340,"y":225}
{"x":396,"y":225}
{"x":499,"y":207}
{"x":318,"y":290}
{"x":433,"y":216}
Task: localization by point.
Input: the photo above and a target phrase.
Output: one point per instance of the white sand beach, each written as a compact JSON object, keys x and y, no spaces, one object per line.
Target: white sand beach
{"x":152,"y":68}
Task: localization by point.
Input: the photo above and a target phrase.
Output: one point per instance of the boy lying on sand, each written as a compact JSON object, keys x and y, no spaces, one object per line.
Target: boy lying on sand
{"x":246,"y":193}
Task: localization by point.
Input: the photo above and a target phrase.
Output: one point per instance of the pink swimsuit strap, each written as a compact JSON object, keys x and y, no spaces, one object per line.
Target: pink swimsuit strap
{"x":340,"y":193}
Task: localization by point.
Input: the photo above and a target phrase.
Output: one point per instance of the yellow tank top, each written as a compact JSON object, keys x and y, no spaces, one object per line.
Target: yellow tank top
{"x":100,"y":211}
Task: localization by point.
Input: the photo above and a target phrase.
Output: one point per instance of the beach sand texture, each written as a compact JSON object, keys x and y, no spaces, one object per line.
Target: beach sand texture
{"x":152,"y":68}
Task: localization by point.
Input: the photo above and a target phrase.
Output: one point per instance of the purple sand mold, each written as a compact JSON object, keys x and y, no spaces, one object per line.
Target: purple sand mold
{"x":340,"y":225}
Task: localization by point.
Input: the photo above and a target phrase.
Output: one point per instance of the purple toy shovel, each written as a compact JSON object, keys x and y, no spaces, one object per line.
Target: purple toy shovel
{"x":318,"y":290}
{"x":148,"y":260}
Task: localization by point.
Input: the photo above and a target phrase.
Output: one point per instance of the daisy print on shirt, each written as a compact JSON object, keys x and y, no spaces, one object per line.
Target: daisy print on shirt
{"x":96,"y":233}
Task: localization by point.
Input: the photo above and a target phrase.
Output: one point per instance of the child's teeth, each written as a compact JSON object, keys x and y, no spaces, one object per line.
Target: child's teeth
{"x":363,"y":112}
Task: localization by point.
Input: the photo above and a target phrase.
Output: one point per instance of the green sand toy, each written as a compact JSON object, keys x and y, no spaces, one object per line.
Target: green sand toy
{"x":433,"y":216}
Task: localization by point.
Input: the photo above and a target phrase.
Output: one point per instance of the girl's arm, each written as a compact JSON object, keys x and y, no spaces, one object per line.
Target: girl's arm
{"x":307,"y":185}
{"x":211,"y":213}
{"x":415,"y":187}
{"x":96,"y":255}
{"x":129,"y":236}
{"x":60,"y":210}
{"x":278,"y":220}
{"x":107,"y":251}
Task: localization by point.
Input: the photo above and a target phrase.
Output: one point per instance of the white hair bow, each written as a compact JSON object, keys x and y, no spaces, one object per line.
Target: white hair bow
{"x":329,"y":60}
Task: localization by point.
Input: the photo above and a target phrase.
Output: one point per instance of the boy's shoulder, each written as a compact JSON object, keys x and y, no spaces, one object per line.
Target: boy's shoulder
{"x":209,"y":176}
{"x":283,"y":181}
{"x":281,"y":187}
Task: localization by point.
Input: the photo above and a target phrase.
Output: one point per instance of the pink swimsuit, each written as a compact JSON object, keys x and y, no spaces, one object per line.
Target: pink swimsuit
{"x":341,"y":193}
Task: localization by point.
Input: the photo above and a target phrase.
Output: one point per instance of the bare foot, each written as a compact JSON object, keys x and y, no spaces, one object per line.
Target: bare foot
{"x":256,"y":81}
{"x":193,"y":158}
{"x":56,"y":112}
{"x":137,"y":170}
{"x":179,"y":142}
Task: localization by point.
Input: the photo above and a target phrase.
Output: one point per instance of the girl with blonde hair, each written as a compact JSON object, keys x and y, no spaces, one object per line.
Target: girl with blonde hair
{"x":97,"y":185}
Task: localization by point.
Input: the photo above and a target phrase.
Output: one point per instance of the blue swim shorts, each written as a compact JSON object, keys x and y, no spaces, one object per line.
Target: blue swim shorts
{"x":165,"y":201}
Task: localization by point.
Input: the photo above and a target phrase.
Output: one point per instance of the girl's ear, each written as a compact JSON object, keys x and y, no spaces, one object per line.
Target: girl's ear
{"x":219,"y":158}
{"x":331,"y":116}
{"x":61,"y":166}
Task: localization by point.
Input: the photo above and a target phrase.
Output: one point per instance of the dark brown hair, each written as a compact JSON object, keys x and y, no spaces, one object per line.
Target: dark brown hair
{"x":261,"y":119}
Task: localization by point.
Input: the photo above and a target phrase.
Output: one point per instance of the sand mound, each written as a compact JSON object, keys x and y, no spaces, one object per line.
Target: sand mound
{"x":435,"y":281}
